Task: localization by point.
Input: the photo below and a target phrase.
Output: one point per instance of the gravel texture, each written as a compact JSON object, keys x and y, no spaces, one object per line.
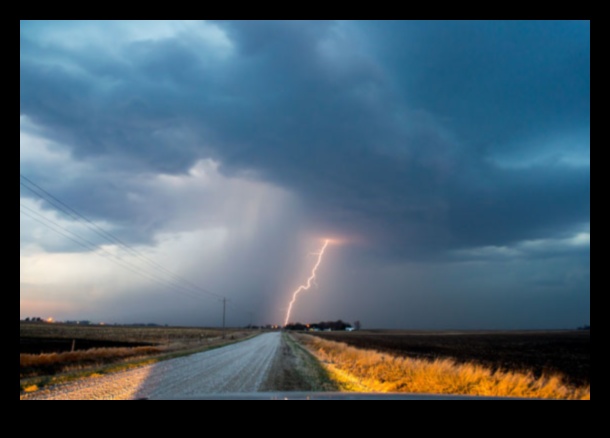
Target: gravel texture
{"x":241,"y":367}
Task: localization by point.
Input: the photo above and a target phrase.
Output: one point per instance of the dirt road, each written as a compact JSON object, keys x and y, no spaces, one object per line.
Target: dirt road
{"x":258,"y":364}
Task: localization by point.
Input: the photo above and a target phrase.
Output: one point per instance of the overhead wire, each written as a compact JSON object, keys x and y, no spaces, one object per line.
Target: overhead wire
{"x":53,"y":200}
{"x":101,"y":251}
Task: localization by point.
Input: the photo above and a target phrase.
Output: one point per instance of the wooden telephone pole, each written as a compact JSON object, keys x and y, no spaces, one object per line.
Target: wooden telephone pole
{"x":224,"y":309}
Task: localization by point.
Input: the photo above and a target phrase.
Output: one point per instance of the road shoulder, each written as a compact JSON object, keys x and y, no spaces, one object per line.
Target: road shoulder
{"x":295,"y":369}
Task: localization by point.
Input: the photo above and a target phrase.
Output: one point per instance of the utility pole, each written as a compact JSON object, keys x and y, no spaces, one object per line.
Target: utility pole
{"x":224,"y":308}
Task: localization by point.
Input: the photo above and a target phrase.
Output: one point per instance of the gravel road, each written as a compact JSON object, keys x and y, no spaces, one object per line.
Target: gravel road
{"x":242,"y":367}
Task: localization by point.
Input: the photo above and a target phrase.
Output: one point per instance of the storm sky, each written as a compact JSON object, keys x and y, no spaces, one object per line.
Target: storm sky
{"x":449,"y":162}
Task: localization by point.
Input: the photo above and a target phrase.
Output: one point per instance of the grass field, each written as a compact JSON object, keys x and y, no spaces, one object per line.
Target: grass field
{"x":129,"y":334}
{"x":366,"y":370}
{"x":564,"y":353}
{"x":548,"y":364}
{"x":51,"y":350}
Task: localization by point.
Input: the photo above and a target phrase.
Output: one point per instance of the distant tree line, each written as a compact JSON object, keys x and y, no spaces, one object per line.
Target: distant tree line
{"x":265,"y":327}
{"x":324,"y":326}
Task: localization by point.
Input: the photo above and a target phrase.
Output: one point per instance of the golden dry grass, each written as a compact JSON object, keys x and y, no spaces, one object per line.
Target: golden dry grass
{"x":37,"y":364}
{"x":371,"y":371}
{"x":94,"y":354}
{"x":169,"y":342}
{"x":46,"y":369}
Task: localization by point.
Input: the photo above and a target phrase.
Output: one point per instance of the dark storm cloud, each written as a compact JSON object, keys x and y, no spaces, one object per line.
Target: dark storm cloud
{"x":385,"y":130}
{"x":522,"y":204}
{"x":491,"y":80}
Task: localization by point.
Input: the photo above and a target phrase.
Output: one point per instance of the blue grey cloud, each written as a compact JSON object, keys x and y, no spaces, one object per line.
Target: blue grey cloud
{"x":419,"y":138}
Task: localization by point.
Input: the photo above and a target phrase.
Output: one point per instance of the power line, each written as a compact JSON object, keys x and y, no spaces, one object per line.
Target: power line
{"x":78,"y":217}
{"x":108,"y":255}
{"x":53,"y":200}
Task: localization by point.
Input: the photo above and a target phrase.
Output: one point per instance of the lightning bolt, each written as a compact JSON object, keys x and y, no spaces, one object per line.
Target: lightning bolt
{"x":311,"y":279}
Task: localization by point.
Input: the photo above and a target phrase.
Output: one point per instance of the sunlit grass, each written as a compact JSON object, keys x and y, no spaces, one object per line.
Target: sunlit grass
{"x":46,"y":363}
{"x":49,"y":369}
{"x":371,"y":371}
{"x":167,"y":340}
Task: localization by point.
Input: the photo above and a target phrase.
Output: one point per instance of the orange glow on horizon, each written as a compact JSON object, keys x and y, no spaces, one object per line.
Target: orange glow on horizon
{"x":309,"y":280}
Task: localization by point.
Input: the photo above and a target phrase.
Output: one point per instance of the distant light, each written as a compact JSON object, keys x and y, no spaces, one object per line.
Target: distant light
{"x":49,"y":319}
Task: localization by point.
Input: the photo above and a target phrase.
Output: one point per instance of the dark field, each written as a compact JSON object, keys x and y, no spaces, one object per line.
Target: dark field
{"x":541,"y":352}
{"x":33,"y":345}
{"x":37,"y":338}
{"x":116,"y":333}
{"x":46,"y":348}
